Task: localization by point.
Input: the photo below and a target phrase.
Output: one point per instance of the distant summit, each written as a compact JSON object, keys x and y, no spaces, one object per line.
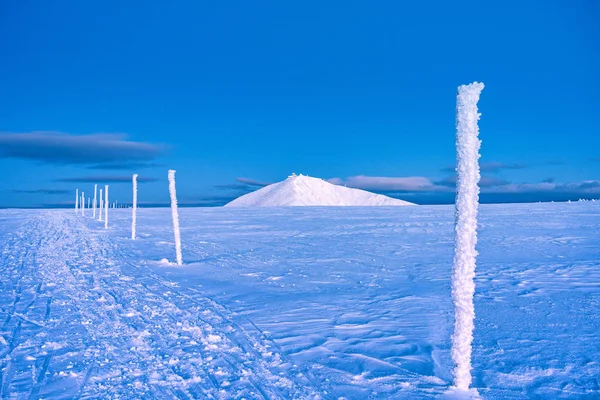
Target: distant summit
{"x":300,"y":190}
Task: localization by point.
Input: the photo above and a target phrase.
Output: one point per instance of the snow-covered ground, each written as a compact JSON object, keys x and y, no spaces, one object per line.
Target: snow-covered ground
{"x":296,"y":303}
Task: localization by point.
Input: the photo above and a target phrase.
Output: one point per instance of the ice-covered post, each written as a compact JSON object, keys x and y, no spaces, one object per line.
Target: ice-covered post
{"x":105,"y":206}
{"x":467,"y":202}
{"x":175,"y":215}
{"x":82,"y":203}
{"x":134,"y":209}
{"x":76,"y":199}
{"x":100,"y":207}
{"x":94,"y":203}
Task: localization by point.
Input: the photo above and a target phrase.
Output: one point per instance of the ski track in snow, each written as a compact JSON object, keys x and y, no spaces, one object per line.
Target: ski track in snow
{"x":76,"y":325}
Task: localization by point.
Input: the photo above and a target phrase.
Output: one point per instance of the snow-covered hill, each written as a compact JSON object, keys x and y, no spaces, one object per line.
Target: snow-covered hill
{"x":300,"y":190}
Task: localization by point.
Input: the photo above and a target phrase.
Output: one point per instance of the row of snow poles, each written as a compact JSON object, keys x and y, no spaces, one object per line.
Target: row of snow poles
{"x":104,"y":205}
{"x":80,"y":202}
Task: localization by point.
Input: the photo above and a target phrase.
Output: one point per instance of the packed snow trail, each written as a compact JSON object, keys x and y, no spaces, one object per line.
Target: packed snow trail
{"x":75,"y":323}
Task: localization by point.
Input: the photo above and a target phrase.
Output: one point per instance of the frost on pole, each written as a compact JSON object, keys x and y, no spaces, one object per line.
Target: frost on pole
{"x":134,"y":208}
{"x":105,"y":206}
{"x":94,"y":203}
{"x":82,"y":203}
{"x":467,"y":201}
{"x":76,"y":199}
{"x":175,"y":215}
{"x":100,"y":207}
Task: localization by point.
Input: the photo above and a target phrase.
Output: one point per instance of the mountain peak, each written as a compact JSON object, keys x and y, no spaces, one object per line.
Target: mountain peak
{"x":302,"y":190}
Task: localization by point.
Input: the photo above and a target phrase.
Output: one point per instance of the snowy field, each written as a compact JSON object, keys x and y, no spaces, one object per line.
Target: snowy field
{"x":296,"y":303}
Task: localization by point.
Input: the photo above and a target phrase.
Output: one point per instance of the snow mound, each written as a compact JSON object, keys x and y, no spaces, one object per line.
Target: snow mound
{"x":300,"y":190}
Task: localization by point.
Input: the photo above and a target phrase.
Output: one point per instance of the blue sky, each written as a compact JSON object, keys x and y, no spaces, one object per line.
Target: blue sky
{"x":234,"y":95}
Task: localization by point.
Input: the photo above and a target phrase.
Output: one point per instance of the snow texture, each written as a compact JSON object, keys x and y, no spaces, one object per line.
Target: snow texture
{"x":134,"y":207}
{"x":106,"y":203}
{"x":467,"y":201}
{"x":175,"y":216}
{"x":296,"y":303}
{"x":300,"y":190}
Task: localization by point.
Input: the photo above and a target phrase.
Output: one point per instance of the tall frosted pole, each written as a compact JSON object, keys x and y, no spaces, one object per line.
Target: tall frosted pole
{"x":105,"y":206}
{"x":175,"y":215}
{"x":82,"y":203}
{"x":134,"y":209}
{"x":89,"y":203}
{"x":76,"y":199}
{"x":465,"y":255}
{"x":100,"y":207}
{"x":94,"y":203}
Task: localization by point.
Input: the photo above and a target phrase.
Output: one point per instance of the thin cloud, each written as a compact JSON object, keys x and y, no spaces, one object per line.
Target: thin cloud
{"x":124,"y":166}
{"x":491,"y":167}
{"x":493,"y":190}
{"x":392,"y":184}
{"x":42,"y":191}
{"x":492,"y":185}
{"x":106,"y":179}
{"x":251,"y":182}
{"x":591,"y":186}
{"x":64,"y":148}
{"x":449,"y":181}
{"x":242,"y":185}
{"x":448,"y":169}
{"x":573,"y":188}
{"x":210,"y":201}
{"x":485,"y":181}
{"x":232,"y":186}
{"x":231,"y":191}
{"x":217,"y":199}
{"x":498,"y":166}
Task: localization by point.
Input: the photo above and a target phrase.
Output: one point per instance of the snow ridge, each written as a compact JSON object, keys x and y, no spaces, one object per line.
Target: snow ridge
{"x":300,"y":190}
